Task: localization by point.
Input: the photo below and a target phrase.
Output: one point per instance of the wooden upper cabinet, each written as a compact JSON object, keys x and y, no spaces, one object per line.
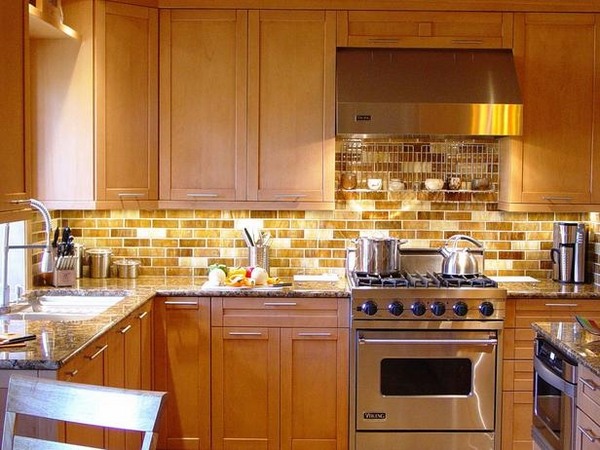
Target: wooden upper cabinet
{"x":552,"y":165}
{"x":424,"y":29}
{"x":95,"y":108}
{"x":203,"y":105}
{"x":127,"y":102}
{"x":291,"y":104}
{"x":14,"y":170}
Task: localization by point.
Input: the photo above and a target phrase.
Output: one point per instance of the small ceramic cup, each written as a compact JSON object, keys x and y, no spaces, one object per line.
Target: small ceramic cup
{"x":374,"y":183}
{"x":395,"y":184}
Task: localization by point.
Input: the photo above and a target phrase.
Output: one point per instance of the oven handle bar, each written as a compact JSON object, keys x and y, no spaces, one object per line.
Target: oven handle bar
{"x":552,"y":379}
{"x":363,"y":340}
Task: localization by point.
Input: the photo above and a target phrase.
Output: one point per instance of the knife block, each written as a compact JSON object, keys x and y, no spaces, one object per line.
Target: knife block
{"x":64,"y":278}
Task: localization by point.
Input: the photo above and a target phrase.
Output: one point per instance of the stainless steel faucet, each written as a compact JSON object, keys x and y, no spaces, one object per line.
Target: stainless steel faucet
{"x":47,"y":264}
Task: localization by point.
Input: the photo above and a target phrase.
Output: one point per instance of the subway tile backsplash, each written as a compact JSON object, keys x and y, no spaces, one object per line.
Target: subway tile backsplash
{"x":186,"y":242}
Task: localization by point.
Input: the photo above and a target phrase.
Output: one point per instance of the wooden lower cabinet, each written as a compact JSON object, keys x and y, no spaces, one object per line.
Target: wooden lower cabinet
{"x":517,"y":391}
{"x":182,"y":368}
{"x":587,"y":431}
{"x":279,"y":374}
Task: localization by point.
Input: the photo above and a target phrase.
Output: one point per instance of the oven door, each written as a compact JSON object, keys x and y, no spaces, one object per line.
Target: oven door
{"x":553,"y":408}
{"x":425,"y":380}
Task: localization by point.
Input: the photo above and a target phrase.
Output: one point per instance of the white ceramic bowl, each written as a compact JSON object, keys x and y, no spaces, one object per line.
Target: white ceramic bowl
{"x":374,"y":183}
{"x":434,"y":184}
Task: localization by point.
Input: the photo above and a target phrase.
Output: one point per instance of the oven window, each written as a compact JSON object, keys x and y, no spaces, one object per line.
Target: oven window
{"x":426,"y":376}
{"x":547,"y":404}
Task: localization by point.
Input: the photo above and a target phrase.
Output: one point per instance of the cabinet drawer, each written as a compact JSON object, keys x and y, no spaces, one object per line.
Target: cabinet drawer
{"x":587,"y":433}
{"x":517,"y":375}
{"x":588,"y":392}
{"x":280,"y":311}
{"x":424,"y":29}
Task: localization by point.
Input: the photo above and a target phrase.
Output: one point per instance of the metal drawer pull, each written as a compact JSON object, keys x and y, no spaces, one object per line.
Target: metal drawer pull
{"x":181,"y":303}
{"x":428,"y":341}
{"x":73,"y":372}
{"x":550,"y":198}
{"x":126,"y":329}
{"x":98,"y":353}
{"x":569,"y":305}
{"x":588,"y":434}
{"x":314,"y":334}
{"x":130,"y":195}
{"x":384,"y":40}
{"x":202,"y":194}
{"x":280,"y":304}
{"x":142,"y":315}
{"x":245,"y":333}
{"x":589,"y":383}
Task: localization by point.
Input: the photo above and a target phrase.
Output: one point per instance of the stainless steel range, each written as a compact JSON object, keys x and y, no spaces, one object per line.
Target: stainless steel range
{"x":426,"y":358}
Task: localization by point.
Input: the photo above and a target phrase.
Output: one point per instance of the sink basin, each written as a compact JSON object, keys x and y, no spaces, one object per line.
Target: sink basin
{"x":63,"y":307}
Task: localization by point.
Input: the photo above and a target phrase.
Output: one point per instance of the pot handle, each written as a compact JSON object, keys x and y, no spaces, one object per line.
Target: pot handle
{"x":464,"y":237}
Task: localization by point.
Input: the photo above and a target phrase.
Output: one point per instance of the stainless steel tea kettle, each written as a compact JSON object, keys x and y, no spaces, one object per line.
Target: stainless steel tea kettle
{"x":459,"y":261}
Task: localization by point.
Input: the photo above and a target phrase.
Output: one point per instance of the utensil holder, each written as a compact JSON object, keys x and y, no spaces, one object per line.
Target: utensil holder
{"x":258,"y":256}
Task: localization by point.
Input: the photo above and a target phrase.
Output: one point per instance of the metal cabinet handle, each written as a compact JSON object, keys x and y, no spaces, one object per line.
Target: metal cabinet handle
{"x":384,"y":40}
{"x":290,"y":195}
{"x":181,"y":303}
{"x":143,"y":315}
{"x":245,"y":333}
{"x":280,"y":304}
{"x":202,"y":194}
{"x":588,"y":434}
{"x":126,"y":329}
{"x":467,"y":41}
{"x":73,"y":372}
{"x":130,"y":195}
{"x":589,"y":383}
{"x":569,"y":305}
{"x":314,"y":334}
{"x":98,"y":352}
{"x":551,"y":198}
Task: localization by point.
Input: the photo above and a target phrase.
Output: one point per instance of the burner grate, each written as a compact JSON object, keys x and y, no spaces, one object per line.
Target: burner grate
{"x":426,"y":280}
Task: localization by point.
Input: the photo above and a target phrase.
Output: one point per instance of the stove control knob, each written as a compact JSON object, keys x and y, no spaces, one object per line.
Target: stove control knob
{"x":418,"y":308}
{"x":395,"y":308}
{"x":369,"y":308}
{"x":438,"y":308}
{"x":486,"y":308}
{"x":460,"y":308}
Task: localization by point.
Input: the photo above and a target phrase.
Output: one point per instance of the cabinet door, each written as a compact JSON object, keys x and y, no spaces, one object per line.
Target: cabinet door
{"x":245,"y":387}
{"x":551,"y":166}
{"x":182,"y":369}
{"x":314,"y":408}
{"x":291,"y":77}
{"x":203,"y":105}
{"x":88,"y":368}
{"x":424,"y":29}
{"x":14,"y":170}
{"x":127,"y":102}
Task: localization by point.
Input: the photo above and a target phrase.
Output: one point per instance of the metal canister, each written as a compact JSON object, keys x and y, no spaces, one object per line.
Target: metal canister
{"x":127,"y":268}
{"x":99,"y":259}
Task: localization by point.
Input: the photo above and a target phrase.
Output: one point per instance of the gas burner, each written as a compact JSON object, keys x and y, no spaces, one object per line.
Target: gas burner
{"x":467,"y":281}
{"x":392,"y":280}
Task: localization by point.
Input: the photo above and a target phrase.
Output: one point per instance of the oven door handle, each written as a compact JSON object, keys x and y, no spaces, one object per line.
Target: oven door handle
{"x":554,"y":380}
{"x":362,"y":340}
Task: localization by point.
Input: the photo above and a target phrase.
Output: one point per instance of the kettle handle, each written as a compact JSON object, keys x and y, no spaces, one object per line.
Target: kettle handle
{"x":464,"y":237}
{"x":554,"y":251}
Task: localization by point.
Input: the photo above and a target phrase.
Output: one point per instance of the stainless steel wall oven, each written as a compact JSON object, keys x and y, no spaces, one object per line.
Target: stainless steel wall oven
{"x":554,"y":396}
{"x":426,"y":365}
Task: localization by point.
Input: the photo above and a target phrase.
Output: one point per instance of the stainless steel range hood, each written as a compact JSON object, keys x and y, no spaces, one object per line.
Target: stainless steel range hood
{"x":387,"y":92}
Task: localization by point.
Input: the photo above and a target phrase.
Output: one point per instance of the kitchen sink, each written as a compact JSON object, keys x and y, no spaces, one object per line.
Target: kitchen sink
{"x":63,"y":307}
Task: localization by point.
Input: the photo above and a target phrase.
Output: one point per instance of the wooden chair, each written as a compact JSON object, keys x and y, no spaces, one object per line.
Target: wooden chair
{"x":123,"y":409}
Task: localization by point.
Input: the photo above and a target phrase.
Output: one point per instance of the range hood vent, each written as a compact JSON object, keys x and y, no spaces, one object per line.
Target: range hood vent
{"x":391,"y":92}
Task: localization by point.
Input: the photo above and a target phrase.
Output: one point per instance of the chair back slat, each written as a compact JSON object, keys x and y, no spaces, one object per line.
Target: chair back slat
{"x":124,"y":409}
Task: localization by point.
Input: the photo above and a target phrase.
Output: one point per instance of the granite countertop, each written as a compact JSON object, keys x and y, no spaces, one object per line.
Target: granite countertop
{"x":57,"y":342}
{"x":571,"y":338}
{"x":549,"y":289}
